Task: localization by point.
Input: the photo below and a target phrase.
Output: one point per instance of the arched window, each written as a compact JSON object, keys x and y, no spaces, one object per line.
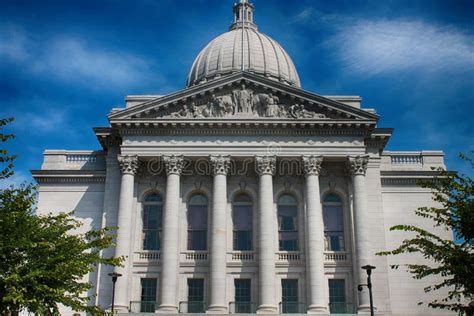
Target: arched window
{"x":333,"y":223}
{"x":287,"y":223}
{"x":242,"y":222}
{"x":152,"y":221}
{"x":197,"y":222}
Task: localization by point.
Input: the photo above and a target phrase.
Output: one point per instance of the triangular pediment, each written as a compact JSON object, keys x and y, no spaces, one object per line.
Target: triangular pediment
{"x":243,"y":96}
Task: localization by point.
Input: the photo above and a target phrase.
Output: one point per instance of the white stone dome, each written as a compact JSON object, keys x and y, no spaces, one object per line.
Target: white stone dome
{"x":261,"y":54}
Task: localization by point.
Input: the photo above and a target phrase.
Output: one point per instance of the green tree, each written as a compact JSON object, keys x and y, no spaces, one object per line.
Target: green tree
{"x":6,"y":159}
{"x":42,"y":260}
{"x":452,"y":260}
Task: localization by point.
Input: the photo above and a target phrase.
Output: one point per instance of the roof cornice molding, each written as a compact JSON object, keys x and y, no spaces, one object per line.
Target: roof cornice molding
{"x":249,"y":79}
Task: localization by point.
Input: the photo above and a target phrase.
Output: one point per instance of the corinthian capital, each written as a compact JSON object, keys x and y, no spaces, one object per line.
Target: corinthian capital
{"x":265,"y":165}
{"x":173,"y":164}
{"x":357,"y":165}
{"x":220,"y":164}
{"x":128,"y":164}
{"x":312,"y":164}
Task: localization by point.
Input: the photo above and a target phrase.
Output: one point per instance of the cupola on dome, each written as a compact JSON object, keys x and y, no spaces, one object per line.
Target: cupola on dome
{"x":243,"y":42}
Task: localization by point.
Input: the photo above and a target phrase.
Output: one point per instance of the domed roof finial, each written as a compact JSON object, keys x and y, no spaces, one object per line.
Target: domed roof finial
{"x":243,"y":15}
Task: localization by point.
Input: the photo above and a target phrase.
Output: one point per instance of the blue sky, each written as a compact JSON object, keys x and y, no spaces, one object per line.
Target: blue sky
{"x":65,"y":64}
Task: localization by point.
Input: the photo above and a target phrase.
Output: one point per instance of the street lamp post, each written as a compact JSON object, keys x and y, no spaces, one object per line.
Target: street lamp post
{"x":369,"y":269}
{"x":114,"y":276}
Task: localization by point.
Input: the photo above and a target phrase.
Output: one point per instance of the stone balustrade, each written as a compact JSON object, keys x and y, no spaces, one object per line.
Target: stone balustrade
{"x":193,"y":256}
{"x":73,"y":160}
{"x":288,"y":256}
{"x":411,"y":160}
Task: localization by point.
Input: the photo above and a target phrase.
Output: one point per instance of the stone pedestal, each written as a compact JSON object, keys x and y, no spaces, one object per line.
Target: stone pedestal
{"x":170,"y":249}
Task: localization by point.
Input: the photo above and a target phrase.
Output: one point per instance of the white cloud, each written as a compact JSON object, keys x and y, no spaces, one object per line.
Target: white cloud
{"x":73,"y":60}
{"x":372,"y":47}
{"x":13,"y":44}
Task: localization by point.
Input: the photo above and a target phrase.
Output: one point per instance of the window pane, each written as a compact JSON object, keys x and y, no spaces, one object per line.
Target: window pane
{"x":148,"y":295}
{"x":197,"y":217}
{"x":152,"y":224}
{"x":242,"y":217}
{"x":289,"y":297}
{"x":333,"y":220}
{"x":242,"y":295}
{"x":337,"y":296}
{"x":242,"y":240}
{"x":197,"y":239}
{"x":287,"y":223}
{"x":196,"y":295}
{"x":242,"y":222}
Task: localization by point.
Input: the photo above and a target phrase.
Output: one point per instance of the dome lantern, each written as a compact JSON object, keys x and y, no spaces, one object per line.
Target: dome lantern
{"x":243,"y":48}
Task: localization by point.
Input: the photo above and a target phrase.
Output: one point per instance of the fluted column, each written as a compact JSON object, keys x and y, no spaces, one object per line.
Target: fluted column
{"x":170,"y":249}
{"x":357,"y":167}
{"x":129,"y":166}
{"x":317,"y":287}
{"x":220,"y":166}
{"x":266,"y":235}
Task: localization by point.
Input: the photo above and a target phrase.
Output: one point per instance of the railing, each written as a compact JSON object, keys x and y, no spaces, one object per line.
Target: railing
{"x":288,"y":256}
{"x":147,"y":255}
{"x":81,"y":158}
{"x":143,"y":307}
{"x":292,"y":308}
{"x":406,"y":159}
{"x":342,"y":308}
{"x":241,"y":256}
{"x":194,"y":256}
{"x":336,"y":256}
{"x":242,"y":308}
{"x":192,"y":307}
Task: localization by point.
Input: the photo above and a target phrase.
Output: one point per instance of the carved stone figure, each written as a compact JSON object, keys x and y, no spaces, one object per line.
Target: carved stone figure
{"x":298,"y":111}
{"x":222,"y":106}
{"x":243,"y":100}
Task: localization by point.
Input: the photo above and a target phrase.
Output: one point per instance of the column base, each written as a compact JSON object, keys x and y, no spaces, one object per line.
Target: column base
{"x":364,"y":309}
{"x":167,"y":309}
{"x":121,"y":309}
{"x":318,"y":309}
{"x":267,"y":309}
{"x":216,"y":309}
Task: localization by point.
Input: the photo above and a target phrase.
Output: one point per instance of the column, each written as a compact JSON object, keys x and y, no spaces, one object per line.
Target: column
{"x":170,"y":242}
{"x":265,"y":167}
{"x":129,"y":166}
{"x":357,"y":167}
{"x":317,"y":284}
{"x":220,"y":166}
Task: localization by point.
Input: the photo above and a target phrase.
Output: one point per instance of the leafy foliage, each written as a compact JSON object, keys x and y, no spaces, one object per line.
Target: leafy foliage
{"x":453,"y":261}
{"x":42,"y":263}
{"x":5,"y":157}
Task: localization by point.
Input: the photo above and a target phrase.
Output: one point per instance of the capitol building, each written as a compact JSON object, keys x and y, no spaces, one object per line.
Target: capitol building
{"x":245,"y":193}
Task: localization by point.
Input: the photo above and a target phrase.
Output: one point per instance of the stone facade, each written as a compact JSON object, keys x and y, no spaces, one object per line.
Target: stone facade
{"x":244,"y":134}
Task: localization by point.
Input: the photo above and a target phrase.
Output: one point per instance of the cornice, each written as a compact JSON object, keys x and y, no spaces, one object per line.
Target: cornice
{"x":68,"y":176}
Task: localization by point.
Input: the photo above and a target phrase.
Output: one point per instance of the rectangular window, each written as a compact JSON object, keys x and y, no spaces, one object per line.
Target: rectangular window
{"x":197,"y":239}
{"x":337,"y":296}
{"x":152,"y":215}
{"x":148,"y":297}
{"x":243,"y":296}
{"x":289,"y":296}
{"x":196,"y":296}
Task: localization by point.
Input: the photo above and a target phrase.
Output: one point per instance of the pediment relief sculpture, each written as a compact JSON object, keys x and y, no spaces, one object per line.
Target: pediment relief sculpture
{"x":243,"y":102}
